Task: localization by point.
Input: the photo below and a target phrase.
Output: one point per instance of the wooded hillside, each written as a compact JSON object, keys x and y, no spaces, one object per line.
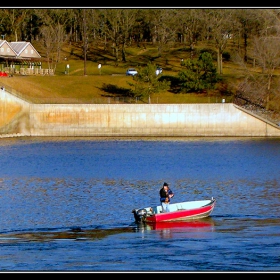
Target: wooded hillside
{"x":247,"y":38}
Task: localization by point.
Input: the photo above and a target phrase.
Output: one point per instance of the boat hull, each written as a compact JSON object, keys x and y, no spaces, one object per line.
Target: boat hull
{"x":183,"y":211}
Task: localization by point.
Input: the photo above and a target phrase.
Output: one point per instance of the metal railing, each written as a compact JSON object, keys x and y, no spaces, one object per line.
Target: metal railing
{"x":28,"y":71}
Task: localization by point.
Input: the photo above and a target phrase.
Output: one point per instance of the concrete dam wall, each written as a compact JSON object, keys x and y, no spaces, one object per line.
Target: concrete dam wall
{"x":19,"y":117}
{"x":14,"y":114}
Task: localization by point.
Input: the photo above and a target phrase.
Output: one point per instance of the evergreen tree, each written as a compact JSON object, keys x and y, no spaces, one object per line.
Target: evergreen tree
{"x":147,"y":82}
{"x":200,"y":74}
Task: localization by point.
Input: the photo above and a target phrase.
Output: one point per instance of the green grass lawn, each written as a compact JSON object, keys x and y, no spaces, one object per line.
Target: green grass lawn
{"x":86,"y":83}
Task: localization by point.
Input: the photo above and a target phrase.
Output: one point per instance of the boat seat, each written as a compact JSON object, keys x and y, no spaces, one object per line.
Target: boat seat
{"x":180,"y":207}
{"x":158,"y":210}
{"x":172,"y":207}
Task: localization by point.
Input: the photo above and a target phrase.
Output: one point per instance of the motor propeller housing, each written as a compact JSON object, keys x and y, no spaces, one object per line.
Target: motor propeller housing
{"x":140,"y":215}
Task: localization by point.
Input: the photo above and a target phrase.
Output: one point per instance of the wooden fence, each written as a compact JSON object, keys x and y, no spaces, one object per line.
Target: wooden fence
{"x":29,"y":71}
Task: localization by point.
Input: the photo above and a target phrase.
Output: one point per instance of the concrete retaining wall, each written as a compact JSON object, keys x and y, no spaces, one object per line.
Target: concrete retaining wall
{"x":219,"y":119}
{"x":14,"y":114}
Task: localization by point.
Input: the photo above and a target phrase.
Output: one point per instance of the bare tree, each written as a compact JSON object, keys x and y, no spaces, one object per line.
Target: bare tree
{"x":189,"y":26}
{"x":267,"y":54}
{"x":247,"y":24}
{"x":47,"y":38}
{"x":53,"y":33}
{"x":113,"y":31}
{"x":85,"y":40}
{"x":14,"y":18}
{"x":220,"y":23}
{"x":163,"y":26}
{"x":127,"y":22}
{"x":260,"y":85}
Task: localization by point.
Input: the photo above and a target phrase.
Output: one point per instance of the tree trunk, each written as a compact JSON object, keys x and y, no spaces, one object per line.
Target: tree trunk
{"x":268,"y":93}
{"x":219,"y":61}
{"x":123,"y":53}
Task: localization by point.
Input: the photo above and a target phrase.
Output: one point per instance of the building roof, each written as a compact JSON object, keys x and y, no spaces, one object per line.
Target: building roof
{"x":24,"y":49}
{"x":6,"y":49}
{"x":18,"y":50}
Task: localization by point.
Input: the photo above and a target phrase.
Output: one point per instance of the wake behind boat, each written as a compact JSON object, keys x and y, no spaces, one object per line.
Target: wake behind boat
{"x":181,"y":211}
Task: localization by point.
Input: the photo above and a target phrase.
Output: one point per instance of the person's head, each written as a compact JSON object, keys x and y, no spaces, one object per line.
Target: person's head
{"x":165,"y":186}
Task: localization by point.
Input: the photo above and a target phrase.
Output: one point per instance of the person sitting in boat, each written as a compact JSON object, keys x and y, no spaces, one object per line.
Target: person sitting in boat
{"x":165,"y":195}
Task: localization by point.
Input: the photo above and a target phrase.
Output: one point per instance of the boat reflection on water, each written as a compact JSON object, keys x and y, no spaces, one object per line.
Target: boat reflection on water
{"x":192,"y":228}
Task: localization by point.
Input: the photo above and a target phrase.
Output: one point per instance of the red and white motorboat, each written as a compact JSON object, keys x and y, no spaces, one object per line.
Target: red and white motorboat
{"x":181,"y":211}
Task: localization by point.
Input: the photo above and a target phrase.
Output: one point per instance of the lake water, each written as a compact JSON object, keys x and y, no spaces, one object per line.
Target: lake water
{"x":66,"y":204}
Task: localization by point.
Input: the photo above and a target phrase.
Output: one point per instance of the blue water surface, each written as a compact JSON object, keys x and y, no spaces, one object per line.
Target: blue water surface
{"x":66,"y":204}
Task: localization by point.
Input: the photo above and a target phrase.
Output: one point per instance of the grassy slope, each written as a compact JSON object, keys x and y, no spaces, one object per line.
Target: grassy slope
{"x":76,"y":87}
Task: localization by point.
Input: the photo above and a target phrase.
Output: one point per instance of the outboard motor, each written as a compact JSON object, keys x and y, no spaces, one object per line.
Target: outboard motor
{"x":139,"y":215}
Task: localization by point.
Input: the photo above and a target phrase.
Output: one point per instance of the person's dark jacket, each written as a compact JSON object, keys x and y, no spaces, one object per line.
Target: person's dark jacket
{"x":164,"y":195}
